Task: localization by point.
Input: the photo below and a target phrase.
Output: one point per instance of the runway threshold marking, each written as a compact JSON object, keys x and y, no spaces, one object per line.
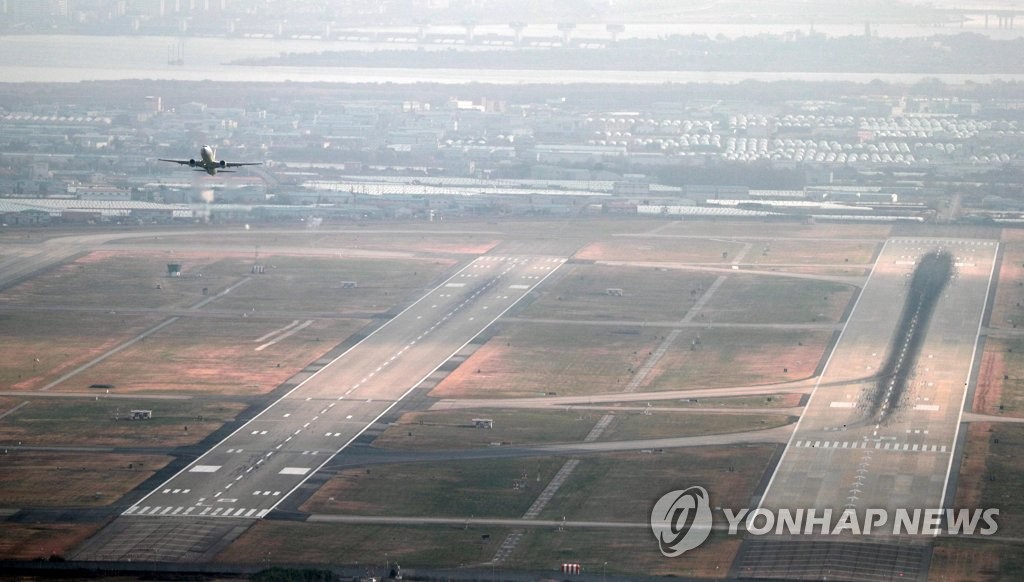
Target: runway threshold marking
{"x":294,"y":471}
{"x":204,"y":469}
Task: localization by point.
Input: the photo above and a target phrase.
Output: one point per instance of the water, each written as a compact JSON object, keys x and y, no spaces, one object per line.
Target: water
{"x":66,"y":58}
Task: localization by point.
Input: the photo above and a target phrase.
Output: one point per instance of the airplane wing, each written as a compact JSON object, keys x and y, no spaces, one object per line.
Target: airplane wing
{"x":236,"y":164}
{"x":183,"y":162}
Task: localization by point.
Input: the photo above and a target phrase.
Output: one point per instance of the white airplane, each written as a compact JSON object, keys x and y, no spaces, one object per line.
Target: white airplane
{"x":207,"y":162}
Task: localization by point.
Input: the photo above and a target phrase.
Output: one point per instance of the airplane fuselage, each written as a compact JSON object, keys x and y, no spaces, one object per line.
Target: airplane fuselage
{"x":207,"y":161}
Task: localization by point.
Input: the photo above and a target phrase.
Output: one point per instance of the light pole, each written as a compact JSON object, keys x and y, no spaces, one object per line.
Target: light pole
{"x":602,"y":570}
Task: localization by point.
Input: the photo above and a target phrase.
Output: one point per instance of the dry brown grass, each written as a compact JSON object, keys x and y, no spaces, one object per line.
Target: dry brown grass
{"x":972,"y":466}
{"x":1000,"y":387}
{"x":281,"y":542}
{"x":988,"y":393}
{"x":661,"y":249}
{"x":534,"y":359}
{"x":833,"y":252}
{"x":594,"y":491}
{"x":456,"y":489}
{"x":92,"y":480}
{"x":753,"y":299}
{"x":69,"y":315}
{"x":60,"y":341}
{"x":580,"y":292}
{"x":736,"y":357}
{"x":628,"y":553}
{"x":74,"y":421}
{"x":965,"y":562}
{"x":214,"y":356}
{"x":42,"y":540}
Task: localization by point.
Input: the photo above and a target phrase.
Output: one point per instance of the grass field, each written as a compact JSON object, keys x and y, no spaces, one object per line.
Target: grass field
{"x":216,"y":356}
{"x":766,"y":401}
{"x":1004,"y":472}
{"x":440,"y":430}
{"x":30,"y":478}
{"x":975,"y":560}
{"x":835,"y":252}
{"x":737,"y":357}
{"x":122,"y":280}
{"x":41,"y":540}
{"x":626,"y":552}
{"x":461,"y":489}
{"x":67,"y":422}
{"x":1008,"y":309}
{"x":658,"y":425}
{"x":624,"y":486}
{"x":747,"y":249}
{"x":40,"y":346}
{"x":1000,"y":387}
{"x":746,"y":229}
{"x":537,"y":358}
{"x":281,"y":542}
{"x":54,"y":334}
{"x":688,"y":250}
{"x":406,"y":238}
{"x":581,"y":292}
{"x":753,"y":299}
{"x":316,"y":284}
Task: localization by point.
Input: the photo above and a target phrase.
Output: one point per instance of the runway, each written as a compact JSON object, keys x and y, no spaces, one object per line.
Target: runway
{"x":843,"y":453}
{"x":251,"y":471}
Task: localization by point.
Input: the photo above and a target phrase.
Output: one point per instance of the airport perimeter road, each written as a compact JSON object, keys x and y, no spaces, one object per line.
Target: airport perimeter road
{"x":254,"y":469}
{"x":843,"y":453}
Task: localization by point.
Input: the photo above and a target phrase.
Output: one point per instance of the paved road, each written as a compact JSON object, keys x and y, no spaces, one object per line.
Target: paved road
{"x":254,"y":469}
{"x":759,"y":269}
{"x":839,"y":458}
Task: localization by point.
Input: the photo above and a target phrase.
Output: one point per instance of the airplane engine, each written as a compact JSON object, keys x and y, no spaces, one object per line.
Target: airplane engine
{"x":192,"y":163}
{"x":223,"y":164}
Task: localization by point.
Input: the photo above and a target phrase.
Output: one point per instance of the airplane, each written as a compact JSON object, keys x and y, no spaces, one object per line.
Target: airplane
{"x":207,"y":162}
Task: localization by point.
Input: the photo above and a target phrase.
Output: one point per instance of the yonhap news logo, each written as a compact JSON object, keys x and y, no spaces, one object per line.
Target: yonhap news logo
{"x":682,"y":520}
